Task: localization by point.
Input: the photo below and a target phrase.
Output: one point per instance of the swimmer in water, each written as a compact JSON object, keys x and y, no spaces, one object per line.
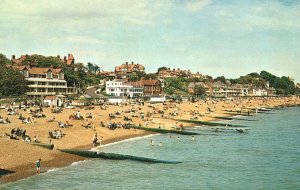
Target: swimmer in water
{"x":160,"y":144}
{"x":193,"y":138}
{"x":151,"y":142}
{"x":178,"y":138}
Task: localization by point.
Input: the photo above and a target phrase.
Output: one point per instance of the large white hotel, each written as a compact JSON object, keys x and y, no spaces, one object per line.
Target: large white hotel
{"x":45,"y":81}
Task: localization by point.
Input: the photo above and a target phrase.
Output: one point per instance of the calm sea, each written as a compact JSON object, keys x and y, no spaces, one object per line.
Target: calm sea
{"x":268,"y":157}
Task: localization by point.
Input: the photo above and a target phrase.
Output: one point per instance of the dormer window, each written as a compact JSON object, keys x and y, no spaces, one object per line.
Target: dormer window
{"x":49,"y":75}
{"x":61,"y":76}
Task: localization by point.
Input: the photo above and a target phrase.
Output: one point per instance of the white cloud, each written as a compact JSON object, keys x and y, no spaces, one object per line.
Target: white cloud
{"x":195,"y":6}
{"x":109,"y":12}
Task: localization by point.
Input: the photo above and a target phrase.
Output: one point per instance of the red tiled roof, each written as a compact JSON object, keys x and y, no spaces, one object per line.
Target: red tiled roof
{"x":18,"y":67}
{"x":38,"y":70}
{"x":149,"y":82}
{"x":138,"y":84}
{"x":20,"y":60}
{"x":130,"y":67}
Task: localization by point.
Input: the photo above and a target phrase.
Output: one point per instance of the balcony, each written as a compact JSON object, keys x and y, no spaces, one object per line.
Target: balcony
{"x":49,"y":93}
{"x":45,"y":86}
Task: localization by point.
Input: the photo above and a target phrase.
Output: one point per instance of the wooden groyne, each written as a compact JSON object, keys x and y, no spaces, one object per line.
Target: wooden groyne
{"x":159,"y":130}
{"x":232,"y":118}
{"x":209,"y":123}
{"x":47,"y":146}
{"x":115,"y":156}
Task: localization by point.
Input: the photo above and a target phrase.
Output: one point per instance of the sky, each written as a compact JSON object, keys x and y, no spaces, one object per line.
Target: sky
{"x":227,"y":38}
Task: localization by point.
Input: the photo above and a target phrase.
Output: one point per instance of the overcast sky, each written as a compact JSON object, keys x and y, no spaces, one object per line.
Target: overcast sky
{"x":215,"y":37}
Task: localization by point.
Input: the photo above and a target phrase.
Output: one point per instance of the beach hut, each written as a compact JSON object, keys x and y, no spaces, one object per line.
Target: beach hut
{"x":157,"y":99}
{"x":115,"y":100}
{"x":57,"y":100}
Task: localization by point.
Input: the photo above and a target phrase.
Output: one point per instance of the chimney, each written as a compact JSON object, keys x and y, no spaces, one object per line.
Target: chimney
{"x":132,"y":63}
{"x":13,"y":57}
{"x":68,"y":55}
{"x":126,"y":63}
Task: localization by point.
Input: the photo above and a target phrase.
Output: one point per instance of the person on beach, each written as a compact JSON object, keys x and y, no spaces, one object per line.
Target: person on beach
{"x":38,"y":166}
{"x":100,"y":140}
{"x":181,"y":126}
{"x":95,"y":140}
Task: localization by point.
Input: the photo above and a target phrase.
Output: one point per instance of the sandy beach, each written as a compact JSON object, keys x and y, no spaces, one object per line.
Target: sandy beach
{"x":19,"y":156}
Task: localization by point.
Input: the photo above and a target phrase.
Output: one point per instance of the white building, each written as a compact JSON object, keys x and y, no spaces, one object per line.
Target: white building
{"x":119,"y":88}
{"x":259,"y":92}
{"x":54,"y":100}
{"x":45,"y":81}
{"x":220,"y":89}
{"x":157,"y":99}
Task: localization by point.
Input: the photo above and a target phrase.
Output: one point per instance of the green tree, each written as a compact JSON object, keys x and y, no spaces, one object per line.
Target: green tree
{"x":12,"y":82}
{"x":133,"y":77}
{"x":42,"y":61}
{"x":220,"y":78}
{"x":4,"y":60}
{"x":96,"y":68}
{"x":199,"y":90}
{"x":161,"y":69}
{"x":150,"y":76}
{"x":90,"y":67}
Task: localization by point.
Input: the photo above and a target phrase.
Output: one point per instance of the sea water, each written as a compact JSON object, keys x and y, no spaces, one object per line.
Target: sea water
{"x":266,"y":157}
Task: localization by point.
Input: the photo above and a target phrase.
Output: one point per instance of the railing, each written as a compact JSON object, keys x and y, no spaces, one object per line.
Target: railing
{"x":49,"y":93}
{"x":45,"y":86}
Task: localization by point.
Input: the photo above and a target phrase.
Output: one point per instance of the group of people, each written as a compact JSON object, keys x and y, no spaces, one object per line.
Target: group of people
{"x":27,"y":120}
{"x":89,"y":124}
{"x":115,"y":125}
{"x":56,"y":134}
{"x":76,"y":116}
{"x":64,"y":125}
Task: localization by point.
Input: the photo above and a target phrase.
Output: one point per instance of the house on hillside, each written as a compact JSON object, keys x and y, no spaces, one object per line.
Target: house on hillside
{"x":70,"y":60}
{"x":125,"y":69}
{"x":219,"y":89}
{"x":107,"y":74}
{"x":141,"y":88}
{"x":167,"y":73}
{"x":193,"y":85}
{"x":19,"y":61}
{"x":152,"y":87}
